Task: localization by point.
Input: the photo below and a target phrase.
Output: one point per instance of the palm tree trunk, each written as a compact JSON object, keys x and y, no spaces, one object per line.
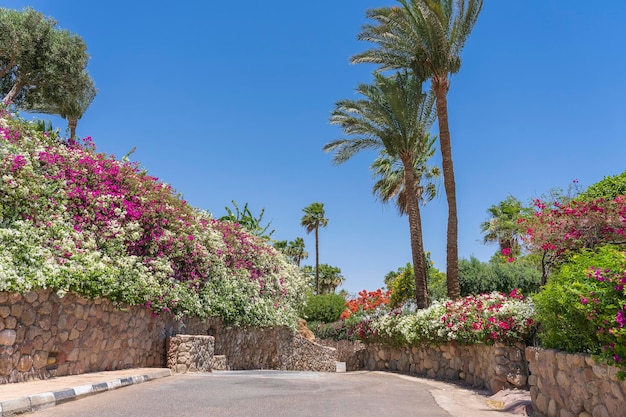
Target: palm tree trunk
{"x":441,"y":87}
{"x":317,"y":261}
{"x":415,"y":229}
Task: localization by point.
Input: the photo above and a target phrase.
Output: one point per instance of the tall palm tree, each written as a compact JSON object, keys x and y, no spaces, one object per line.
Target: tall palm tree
{"x":394,"y":115}
{"x":426,"y":37}
{"x":312,"y":220}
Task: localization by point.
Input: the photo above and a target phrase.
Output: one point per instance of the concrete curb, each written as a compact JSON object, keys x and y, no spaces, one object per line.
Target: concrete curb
{"x":35,"y":402}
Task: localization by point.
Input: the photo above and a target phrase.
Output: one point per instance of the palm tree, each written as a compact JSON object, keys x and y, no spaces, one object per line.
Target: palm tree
{"x":389,"y":173}
{"x":295,"y":249}
{"x":312,"y":220}
{"x":426,"y":37}
{"x":394,"y":116}
{"x":502,"y":227}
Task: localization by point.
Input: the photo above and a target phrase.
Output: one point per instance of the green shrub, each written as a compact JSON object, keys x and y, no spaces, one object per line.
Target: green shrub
{"x":581,"y":309}
{"x":477,"y":277}
{"x":324,"y":308}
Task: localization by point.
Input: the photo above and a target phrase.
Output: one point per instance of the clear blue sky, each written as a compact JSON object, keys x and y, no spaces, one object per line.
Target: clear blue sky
{"x":231,"y":100}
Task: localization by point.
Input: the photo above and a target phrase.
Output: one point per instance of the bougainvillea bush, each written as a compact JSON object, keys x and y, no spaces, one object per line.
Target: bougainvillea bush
{"x":485,"y":318}
{"x":583,"y":306}
{"x":73,"y":219}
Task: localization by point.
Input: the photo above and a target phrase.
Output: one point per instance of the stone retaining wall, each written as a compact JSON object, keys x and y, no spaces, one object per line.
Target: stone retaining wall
{"x":494,"y":367}
{"x":346,"y":352}
{"x":574,"y":385}
{"x":44,"y":335}
{"x":270,"y":348}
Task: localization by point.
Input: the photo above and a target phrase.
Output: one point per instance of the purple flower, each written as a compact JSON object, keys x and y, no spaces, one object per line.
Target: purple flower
{"x":621,"y":318}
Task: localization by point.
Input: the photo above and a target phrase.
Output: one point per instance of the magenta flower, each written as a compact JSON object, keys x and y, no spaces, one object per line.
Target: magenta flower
{"x":621,"y":318}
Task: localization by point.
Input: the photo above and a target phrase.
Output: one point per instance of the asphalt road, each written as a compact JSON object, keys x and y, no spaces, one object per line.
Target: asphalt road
{"x":261,"y":394}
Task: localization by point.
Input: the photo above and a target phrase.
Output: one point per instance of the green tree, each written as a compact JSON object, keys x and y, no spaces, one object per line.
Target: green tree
{"x":329,"y":277}
{"x":312,"y":220}
{"x":248,"y":221}
{"x":608,"y":188}
{"x":294,"y":249}
{"x":324,"y":308}
{"x":426,"y":37}
{"x":38,"y":58}
{"x":503,"y":227}
{"x":69,"y":101}
{"x":393,"y":116}
{"x":401,"y":283}
{"x":476,"y":277}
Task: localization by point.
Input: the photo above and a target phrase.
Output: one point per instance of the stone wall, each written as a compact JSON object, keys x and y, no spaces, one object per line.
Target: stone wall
{"x":44,"y":335}
{"x":346,"y":352}
{"x":574,"y":385}
{"x":270,"y":348}
{"x":494,"y":367}
{"x":190,"y":353}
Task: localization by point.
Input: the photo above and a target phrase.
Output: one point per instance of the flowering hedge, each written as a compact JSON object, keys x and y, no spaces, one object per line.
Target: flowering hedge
{"x":76,"y":220}
{"x":485,"y":318}
{"x":583,"y":306}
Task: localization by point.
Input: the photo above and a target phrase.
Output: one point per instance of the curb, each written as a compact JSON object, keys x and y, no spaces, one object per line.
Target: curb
{"x":40,"y":401}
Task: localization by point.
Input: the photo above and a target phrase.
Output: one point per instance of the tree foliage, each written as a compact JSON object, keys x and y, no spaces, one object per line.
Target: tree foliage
{"x":608,"y":188}
{"x":324,"y":308}
{"x":557,"y":233}
{"x":294,"y":249}
{"x":401,"y":283}
{"x":329,"y":278}
{"x":40,"y":64}
{"x":582,"y":301}
{"x":476,"y":277}
{"x":502,"y":227}
{"x":247,"y":220}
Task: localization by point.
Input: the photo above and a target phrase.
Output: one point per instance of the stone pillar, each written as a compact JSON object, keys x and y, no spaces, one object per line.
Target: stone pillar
{"x":190,"y":353}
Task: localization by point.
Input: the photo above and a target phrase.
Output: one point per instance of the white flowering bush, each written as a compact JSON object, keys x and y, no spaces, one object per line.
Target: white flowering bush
{"x":73,"y":219}
{"x":485,"y":318}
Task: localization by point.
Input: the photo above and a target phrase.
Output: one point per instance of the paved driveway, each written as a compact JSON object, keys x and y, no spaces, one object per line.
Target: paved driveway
{"x":262,"y":394}
{"x":282,"y":394}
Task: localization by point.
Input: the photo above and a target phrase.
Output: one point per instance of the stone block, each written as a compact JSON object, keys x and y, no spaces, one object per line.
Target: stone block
{"x":10,"y":322}
{"x":601,"y":411}
{"x":7,"y":337}
{"x":541,"y":403}
{"x":25,"y":363}
{"x":553,"y":409}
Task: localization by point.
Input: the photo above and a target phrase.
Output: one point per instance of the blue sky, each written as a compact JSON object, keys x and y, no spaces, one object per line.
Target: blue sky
{"x":230,"y":101}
